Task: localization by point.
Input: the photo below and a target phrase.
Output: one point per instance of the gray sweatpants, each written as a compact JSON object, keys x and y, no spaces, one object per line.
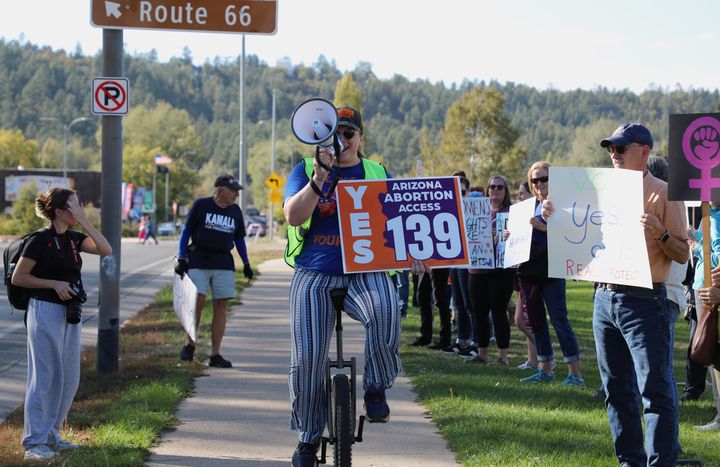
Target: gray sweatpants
{"x":53,"y":372}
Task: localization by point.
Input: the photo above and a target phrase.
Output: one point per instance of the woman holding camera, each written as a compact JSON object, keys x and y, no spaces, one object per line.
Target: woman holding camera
{"x":50,"y":267}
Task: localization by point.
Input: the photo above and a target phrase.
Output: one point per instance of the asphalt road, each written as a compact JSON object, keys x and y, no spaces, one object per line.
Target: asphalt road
{"x":144,"y":270}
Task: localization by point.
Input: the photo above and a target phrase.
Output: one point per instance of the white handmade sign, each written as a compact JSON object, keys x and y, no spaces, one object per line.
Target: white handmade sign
{"x":501,"y":225}
{"x":517,"y":245}
{"x":184,"y":300}
{"x":478,"y":229}
{"x":595,"y":233}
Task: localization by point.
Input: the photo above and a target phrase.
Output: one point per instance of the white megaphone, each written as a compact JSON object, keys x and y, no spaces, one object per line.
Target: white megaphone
{"x":315,"y":121}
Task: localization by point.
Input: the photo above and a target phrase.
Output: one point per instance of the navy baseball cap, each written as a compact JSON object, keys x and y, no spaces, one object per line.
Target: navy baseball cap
{"x":228,"y":181}
{"x":629,"y":133}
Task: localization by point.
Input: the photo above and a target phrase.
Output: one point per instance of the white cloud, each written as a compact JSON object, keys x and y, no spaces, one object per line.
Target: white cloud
{"x":707,"y":36}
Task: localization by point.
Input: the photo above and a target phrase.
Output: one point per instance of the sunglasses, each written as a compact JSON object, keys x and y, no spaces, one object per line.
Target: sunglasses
{"x":619,"y":149}
{"x":496,"y":187}
{"x":348,"y":134}
{"x":539,"y":180}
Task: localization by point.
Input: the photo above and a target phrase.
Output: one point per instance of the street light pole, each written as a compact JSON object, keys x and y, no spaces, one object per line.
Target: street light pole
{"x":67,"y":130}
{"x":167,"y":191}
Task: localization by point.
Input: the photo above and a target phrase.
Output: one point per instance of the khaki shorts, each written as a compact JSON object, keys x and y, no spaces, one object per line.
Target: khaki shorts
{"x":222,"y":282}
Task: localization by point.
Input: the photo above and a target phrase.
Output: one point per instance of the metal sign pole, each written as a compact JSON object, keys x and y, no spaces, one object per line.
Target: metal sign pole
{"x":272,"y":167}
{"x":242,"y":169}
{"x":108,"y":317}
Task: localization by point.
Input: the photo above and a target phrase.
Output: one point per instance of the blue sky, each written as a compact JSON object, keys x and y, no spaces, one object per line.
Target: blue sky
{"x":550,"y":43}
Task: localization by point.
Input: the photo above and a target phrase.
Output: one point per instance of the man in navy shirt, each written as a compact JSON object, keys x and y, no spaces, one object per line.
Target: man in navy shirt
{"x":214,"y":225}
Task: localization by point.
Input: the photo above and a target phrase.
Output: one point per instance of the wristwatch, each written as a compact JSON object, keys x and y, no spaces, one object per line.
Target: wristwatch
{"x":663,"y":238}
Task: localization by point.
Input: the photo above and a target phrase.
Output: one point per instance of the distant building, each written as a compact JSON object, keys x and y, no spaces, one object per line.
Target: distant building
{"x":86,"y":183}
{"x":286,"y":64}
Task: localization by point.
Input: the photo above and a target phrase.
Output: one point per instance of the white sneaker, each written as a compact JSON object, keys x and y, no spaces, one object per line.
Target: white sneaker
{"x":526,"y":366}
{"x":65,"y":444}
{"x":39,"y":452}
{"x":714,"y":425}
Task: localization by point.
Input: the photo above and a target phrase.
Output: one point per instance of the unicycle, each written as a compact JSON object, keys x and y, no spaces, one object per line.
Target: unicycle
{"x":341,"y":396}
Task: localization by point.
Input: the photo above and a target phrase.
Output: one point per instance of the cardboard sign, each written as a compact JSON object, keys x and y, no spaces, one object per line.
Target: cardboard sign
{"x":478,"y":230}
{"x":184,"y":302}
{"x":517,"y":246}
{"x":501,"y":225}
{"x":694,"y":149}
{"x":386,"y":224}
{"x":595,"y":232}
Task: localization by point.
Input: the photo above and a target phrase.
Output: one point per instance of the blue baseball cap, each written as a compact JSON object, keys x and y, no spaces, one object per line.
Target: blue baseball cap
{"x":629,"y":133}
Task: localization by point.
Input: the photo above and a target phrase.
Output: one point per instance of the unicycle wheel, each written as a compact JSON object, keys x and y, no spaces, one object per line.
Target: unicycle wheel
{"x":343,"y":420}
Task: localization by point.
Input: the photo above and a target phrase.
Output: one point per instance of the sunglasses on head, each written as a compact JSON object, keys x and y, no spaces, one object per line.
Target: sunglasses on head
{"x":348,"y":134}
{"x":539,"y":180}
{"x":496,"y":187}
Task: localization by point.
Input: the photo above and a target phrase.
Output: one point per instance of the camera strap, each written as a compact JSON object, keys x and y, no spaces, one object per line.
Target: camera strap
{"x":59,"y":244}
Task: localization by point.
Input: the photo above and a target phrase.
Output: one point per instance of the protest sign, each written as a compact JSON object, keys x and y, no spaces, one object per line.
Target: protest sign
{"x":386,"y":224}
{"x":694,"y":155}
{"x":501,"y":224}
{"x":478,"y":230}
{"x":517,"y":245}
{"x":184,"y":300}
{"x":595,"y":233}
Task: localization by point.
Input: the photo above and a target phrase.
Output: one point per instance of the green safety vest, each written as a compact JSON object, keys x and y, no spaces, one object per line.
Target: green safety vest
{"x":296,"y":235}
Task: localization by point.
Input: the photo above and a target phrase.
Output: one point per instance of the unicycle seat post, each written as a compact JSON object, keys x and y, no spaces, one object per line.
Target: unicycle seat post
{"x":338,"y":298}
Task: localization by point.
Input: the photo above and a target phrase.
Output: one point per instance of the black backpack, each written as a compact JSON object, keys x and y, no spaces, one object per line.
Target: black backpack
{"x":19,"y":297}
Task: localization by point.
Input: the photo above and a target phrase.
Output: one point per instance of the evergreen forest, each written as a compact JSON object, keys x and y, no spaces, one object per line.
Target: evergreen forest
{"x":191,"y":113}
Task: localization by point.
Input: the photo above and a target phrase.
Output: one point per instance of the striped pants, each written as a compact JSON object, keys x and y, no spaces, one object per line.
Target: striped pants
{"x":371,"y":300}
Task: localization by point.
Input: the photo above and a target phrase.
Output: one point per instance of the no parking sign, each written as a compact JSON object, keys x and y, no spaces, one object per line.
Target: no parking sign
{"x":109,"y":96}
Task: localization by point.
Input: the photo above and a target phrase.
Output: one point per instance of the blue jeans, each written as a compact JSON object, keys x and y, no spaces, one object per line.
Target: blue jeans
{"x":633,"y":340}
{"x":461,"y":297}
{"x":550,"y":294}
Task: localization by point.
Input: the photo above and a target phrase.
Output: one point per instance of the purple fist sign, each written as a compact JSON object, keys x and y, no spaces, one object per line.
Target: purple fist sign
{"x":694,"y":144}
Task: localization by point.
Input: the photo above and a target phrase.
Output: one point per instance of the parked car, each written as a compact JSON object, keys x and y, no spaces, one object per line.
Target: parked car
{"x":166,"y":228}
{"x":256,"y":225}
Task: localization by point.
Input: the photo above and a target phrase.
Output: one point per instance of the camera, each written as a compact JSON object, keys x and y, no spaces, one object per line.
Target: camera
{"x":73,"y":307}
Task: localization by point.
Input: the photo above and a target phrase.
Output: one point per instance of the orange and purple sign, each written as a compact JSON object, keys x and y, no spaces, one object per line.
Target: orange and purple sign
{"x":386,"y":224}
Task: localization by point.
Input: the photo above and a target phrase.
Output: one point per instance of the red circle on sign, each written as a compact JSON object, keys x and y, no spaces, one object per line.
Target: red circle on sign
{"x":119,"y":103}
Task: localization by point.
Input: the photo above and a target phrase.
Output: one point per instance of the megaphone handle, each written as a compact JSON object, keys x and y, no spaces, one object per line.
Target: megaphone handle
{"x":336,"y":146}
{"x":320,"y":163}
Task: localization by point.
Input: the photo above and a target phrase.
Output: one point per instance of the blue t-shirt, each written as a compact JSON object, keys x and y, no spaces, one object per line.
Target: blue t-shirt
{"x":213,"y":231}
{"x":321,"y":250}
{"x":714,"y":248}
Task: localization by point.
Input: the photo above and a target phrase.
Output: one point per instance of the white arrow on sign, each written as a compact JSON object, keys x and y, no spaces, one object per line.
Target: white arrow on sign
{"x":112,"y":9}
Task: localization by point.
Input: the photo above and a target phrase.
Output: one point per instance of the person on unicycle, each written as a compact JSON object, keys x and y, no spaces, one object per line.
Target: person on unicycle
{"x":314,"y":251}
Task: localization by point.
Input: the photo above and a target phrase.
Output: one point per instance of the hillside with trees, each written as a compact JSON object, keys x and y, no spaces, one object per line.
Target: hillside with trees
{"x":190,"y":113}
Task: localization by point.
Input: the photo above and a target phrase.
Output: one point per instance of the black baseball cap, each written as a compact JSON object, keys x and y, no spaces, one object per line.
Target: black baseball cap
{"x":347,"y":116}
{"x":228,"y":181}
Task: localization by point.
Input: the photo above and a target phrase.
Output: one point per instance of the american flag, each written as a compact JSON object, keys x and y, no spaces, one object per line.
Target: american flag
{"x":162,"y":159}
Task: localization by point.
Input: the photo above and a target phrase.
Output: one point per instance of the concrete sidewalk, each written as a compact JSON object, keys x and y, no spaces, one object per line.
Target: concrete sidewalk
{"x":240,"y":416}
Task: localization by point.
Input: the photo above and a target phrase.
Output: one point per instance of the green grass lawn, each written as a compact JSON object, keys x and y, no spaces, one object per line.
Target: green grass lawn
{"x":489,"y":417}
